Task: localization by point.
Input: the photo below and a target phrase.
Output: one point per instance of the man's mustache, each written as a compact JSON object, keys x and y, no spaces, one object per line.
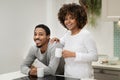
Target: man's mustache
{"x":37,"y":39}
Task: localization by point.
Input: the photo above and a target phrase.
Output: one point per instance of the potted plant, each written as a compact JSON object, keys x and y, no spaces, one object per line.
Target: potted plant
{"x":93,"y":9}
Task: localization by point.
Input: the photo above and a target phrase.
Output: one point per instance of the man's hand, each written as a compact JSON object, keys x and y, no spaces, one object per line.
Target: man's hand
{"x":67,"y":54}
{"x":33,"y":71}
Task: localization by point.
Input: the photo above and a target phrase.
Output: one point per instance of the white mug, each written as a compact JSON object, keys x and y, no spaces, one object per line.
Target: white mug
{"x":40,"y":72}
{"x":58,"y":52}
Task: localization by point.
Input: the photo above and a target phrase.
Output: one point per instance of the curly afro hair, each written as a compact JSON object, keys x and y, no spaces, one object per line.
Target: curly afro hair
{"x":77,"y":11}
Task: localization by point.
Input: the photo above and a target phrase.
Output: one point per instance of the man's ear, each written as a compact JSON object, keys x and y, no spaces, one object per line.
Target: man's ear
{"x":48,"y":36}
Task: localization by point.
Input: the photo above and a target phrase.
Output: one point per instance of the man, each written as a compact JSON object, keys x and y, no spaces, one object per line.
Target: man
{"x":44,"y":52}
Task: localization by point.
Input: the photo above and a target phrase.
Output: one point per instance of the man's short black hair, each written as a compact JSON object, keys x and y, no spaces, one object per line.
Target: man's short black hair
{"x":47,"y":30}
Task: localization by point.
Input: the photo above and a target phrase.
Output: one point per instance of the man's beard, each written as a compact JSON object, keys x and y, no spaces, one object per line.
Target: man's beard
{"x":39,"y":46}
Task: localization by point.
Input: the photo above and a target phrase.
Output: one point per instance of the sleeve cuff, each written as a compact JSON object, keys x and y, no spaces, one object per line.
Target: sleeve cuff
{"x":28,"y":72}
{"x":78,"y":56}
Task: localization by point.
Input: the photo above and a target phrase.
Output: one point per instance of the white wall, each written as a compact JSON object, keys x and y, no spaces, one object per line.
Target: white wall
{"x":52,"y":18}
{"x":17,"y":21}
{"x":103,"y":34}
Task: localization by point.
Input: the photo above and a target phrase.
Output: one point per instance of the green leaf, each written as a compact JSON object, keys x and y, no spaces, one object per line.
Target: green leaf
{"x":93,"y":10}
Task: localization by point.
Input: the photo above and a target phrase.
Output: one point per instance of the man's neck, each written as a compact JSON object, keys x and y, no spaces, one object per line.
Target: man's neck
{"x":44,"y":48}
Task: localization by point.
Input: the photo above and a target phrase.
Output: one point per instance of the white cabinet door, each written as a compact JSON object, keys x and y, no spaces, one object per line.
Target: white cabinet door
{"x":111,"y":10}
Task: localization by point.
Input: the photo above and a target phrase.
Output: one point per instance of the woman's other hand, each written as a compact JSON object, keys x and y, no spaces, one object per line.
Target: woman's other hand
{"x":55,"y":39}
{"x":67,"y":54}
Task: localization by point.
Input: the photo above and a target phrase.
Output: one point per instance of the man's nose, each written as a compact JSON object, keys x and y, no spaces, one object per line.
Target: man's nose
{"x":37,"y":36}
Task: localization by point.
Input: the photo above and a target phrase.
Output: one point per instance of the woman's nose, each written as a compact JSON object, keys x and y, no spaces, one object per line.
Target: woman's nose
{"x":68,"y":21}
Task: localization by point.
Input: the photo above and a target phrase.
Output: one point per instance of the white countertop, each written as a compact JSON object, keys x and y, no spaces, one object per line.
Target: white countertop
{"x":11,"y":75}
{"x":106,"y":66}
{"x":18,"y":74}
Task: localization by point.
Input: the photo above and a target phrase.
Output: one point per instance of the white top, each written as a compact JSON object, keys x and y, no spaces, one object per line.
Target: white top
{"x":84,"y":47}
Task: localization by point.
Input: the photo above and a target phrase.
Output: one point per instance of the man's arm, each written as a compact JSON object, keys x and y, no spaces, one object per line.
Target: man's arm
{"x":27,"y":63}
{"x":53,"y":63}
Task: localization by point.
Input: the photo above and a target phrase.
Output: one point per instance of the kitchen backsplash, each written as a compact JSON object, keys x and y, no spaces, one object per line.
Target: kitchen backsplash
{"x":116,"y":40}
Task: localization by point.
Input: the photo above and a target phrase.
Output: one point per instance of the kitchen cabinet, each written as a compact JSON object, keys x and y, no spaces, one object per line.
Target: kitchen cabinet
{"x":110,"y":10}
{"x":106,"y":71}
{"x":106,"y":74}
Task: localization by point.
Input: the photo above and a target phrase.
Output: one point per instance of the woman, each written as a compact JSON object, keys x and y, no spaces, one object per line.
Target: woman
{"x":79,"y":47}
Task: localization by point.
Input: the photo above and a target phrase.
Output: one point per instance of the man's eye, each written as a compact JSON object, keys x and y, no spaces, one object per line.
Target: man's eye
{"x":35,"y":34}
{"x":40,"y":34}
